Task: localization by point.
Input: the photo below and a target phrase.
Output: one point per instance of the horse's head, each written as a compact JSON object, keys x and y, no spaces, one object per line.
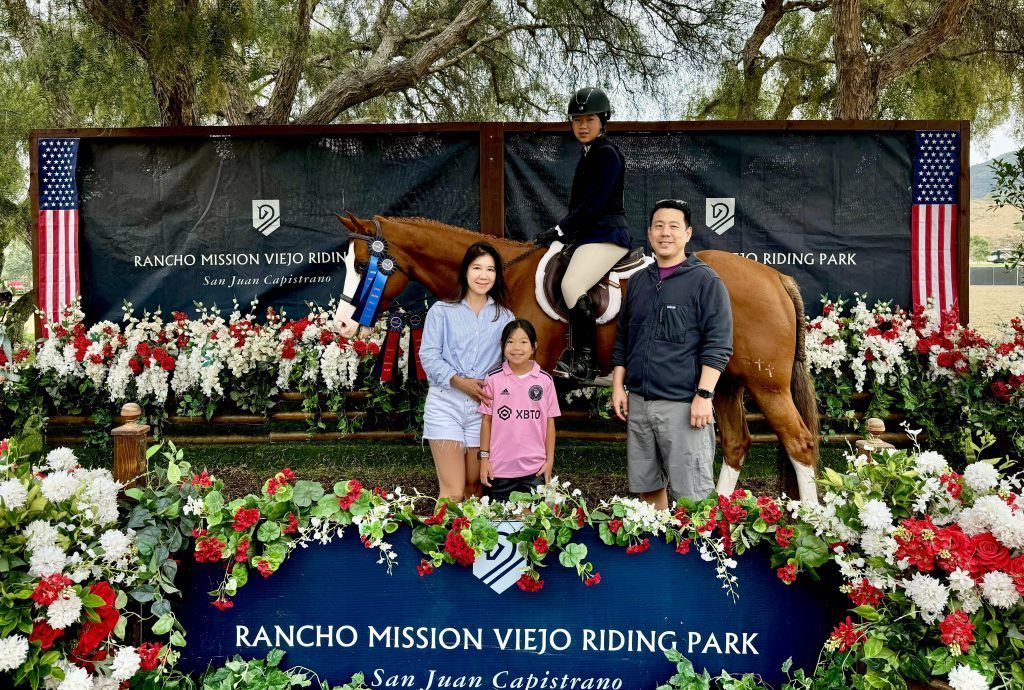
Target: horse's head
{"x":397,"y":281}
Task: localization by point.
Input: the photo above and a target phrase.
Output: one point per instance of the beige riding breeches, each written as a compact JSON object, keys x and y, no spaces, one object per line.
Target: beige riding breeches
{"x":589,"y":263}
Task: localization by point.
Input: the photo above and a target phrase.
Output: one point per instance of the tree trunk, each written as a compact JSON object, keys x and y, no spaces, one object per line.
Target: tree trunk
{"x":175,"y":96}
{"x":856,"y":81}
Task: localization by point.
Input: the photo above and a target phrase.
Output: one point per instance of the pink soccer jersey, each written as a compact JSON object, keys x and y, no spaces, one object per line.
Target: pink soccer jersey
{"x":519,"y":409}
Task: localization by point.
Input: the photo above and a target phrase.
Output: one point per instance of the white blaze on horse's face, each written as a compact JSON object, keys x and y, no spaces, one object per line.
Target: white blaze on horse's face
{"x":668,"y":236}
{"x":481,"y":275}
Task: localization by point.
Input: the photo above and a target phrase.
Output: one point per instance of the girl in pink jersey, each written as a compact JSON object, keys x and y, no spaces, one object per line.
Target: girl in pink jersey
{"x":517,"y":434}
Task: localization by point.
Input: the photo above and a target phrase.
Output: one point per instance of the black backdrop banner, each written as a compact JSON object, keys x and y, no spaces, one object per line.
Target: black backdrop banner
{"x":830,"y":209}
{"x":167,"y":221}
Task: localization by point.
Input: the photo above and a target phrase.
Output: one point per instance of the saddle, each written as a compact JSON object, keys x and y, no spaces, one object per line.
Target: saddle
{"x":606,"y":295}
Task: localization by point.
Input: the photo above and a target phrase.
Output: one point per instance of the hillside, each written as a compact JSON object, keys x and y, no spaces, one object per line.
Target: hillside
{"x":982,"y":179}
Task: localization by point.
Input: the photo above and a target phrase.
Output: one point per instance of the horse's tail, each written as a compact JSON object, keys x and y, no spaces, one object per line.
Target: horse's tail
{"x":801,"y":388}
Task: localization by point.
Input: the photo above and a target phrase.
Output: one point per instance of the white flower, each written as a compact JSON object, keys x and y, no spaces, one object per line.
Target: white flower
{"x":970,"y":601}
{"x":40,"y":533}
{"x":194,"y":506}
{"x":875,"y":515}
{"x":961,"y":581}
{"x":126,"y":663}
{"x":116,"y":545}
{"x":65,"y":610}
{"x":105,"y":683}
{"x":46,"y":560}
{"x":13,"y":494}
{"x":931,"y":463}
{"x":964,"y":677}
{"x":928,"y":593}
{"x":59,"y":486}
{"x":1010,"y":530}
{"x":999,"y":590}
{"x":981,"y":476}
{"x":13,"y":652}
{"x":61,"y":460}
{"x":75,"y":679}
{"x":878,"y":543}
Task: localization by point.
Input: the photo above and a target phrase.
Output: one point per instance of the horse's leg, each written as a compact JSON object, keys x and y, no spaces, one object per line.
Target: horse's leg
{"x":732,"y":424}
{"x":782,"y":415}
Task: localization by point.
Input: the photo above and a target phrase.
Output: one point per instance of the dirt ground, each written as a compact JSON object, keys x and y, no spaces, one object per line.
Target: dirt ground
{"x":992,"y":305}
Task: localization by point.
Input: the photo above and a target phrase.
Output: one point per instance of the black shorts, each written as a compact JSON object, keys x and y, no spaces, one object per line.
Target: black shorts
{"x":502,"y":487}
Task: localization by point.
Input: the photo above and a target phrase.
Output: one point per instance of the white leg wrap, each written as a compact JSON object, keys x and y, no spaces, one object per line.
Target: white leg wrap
{"x":727,"y":479}
{"x":805,"y":481}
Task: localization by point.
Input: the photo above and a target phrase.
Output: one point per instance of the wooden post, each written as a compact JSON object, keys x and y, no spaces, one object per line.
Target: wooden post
{"x":130,"y":441}
{"x":874,"y":427}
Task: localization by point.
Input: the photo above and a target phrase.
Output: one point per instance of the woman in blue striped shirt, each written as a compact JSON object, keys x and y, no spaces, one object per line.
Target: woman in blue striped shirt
{"x":461,"y":343}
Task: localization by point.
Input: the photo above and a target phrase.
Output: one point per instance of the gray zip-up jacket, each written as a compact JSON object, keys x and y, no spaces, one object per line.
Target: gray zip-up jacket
{"x":669,"y":328}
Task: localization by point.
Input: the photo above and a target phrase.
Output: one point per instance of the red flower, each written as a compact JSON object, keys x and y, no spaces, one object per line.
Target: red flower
{"x":783,"y":535}
{"x":209,"y":550}
{"x":455,"y":546}
{"x":683,"y":546}
{"x":924,"y":346}
{"x":143,"y":350}
{"x":44,"y":634}
{"x":288,"y":351}
{"x":615,"y":525}
{"x":540,"y":545}
{"x":438,"y":517}
{"x":1016,"y":571}
{"x":460,"y":523}
{"x":355,"y":489}
{"x":264,"y":568}
{"x":957,"y":631}
{"x":580,"y":517}
{"x":1001,"y":391}
{"x":787,"y":573}
{"x":198,"y":533}
{"x":21,"y":355}
{"x":245,"y":518}
{"x":373,"y":349}
{"x":869,"y":356}
{"x":865,"y":593}
{"x":529,"y":584}
{"x":293,"y":524}
{"x":846,"y":635}
{"x":202,"y":479}
{"x":326,"y":337}
{"x":149,"y":654}
{"x":770,"y":511}
{"x":827,"y":309}
{"x":135,"y":366}
{"x":242,"y":551}
{"x":167,"y":364}
{"x":594,"y":579}
{"x":360,"y":347}
{"x":952,"y":483}
{"x":94,"y":632}
{"x":424,"y":568}
{"x":644,"y":544}
{"x":222,"y":603}
{"x":49,"y":587}
{"x":987,"y":554}
{"x":287,"y":474}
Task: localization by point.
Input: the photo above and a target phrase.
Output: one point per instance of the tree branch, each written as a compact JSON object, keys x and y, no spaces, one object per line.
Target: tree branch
{"x":941,"y":27}
{"x":290,"y":72}
{"x":360,"y":85}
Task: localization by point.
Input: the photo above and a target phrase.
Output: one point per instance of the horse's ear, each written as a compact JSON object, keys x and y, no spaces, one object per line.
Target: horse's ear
{"x":351,"y":223}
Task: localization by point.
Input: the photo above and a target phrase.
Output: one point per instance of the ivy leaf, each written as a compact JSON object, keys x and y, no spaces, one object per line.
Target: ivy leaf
{"x":572,"y":555}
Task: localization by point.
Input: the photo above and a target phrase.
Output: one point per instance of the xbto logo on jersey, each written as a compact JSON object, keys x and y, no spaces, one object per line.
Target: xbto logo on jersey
{"x":504,"y":412}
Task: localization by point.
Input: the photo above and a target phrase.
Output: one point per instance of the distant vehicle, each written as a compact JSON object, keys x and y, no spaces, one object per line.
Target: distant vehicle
{"x":999,"y":256}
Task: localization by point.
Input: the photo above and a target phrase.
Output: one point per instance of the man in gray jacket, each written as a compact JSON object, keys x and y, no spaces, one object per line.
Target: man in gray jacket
{"x":674,"y":340}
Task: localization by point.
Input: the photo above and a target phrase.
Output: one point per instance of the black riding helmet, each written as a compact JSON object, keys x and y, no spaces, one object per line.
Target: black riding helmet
{"x":590,"y":100}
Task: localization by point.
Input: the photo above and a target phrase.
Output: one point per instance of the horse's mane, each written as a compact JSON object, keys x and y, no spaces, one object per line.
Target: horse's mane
{"x":470,"y":234}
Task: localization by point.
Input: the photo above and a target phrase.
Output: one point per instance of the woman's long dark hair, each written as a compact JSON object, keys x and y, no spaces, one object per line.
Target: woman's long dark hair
{"x":498,"y":291}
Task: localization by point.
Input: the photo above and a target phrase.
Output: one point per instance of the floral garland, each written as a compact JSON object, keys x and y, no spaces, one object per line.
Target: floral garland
{"x":932,"y":560}
{"x":69,"y":571}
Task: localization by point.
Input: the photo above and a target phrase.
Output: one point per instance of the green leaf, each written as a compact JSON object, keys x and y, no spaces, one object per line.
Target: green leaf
{"x":867,"y":612}
{"x":93,"y":601}
{"x":305,"y":493}
{"x":268,"y":531}
{"x":163,"y":624}
{"x":213,"y":503}
{"x":572,"y":555}
{"x":173,"y":473}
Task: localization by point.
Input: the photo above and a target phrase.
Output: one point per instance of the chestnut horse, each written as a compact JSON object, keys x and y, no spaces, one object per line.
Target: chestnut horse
{"x":768,"y":329}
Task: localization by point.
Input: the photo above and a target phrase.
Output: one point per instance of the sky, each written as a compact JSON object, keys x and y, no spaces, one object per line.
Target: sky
{"x":1003,"y":140}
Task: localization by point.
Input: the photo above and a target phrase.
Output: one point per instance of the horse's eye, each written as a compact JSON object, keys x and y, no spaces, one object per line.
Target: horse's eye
{"x":360,"y":266}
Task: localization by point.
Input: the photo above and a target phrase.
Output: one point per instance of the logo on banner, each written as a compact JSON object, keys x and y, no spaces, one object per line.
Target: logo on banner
{"x":266,"y":215}
{"x":720,"y":214}
{"x":500,"y":567}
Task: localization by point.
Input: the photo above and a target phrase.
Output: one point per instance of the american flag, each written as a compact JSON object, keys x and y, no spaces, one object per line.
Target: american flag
{"x":933,"y":235}
{"x":58,"y":226}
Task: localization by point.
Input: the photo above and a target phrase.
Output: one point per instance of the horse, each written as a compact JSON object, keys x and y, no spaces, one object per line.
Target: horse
{"x":768,"y":334}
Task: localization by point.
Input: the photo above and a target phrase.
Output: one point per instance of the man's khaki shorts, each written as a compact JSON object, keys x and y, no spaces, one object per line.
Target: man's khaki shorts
{"x":663,"y":450}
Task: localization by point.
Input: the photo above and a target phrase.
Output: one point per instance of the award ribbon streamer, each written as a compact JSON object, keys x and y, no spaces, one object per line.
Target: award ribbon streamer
{"x":388,"y":362}
{"x":371,"y":286}
{"x":416,"y":371}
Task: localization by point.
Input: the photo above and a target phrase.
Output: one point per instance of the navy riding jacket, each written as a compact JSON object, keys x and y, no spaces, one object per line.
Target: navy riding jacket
{"x":596,"y":210}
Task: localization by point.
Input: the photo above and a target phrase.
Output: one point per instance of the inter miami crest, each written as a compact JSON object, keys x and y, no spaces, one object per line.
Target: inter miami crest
{"x":536,"y":392}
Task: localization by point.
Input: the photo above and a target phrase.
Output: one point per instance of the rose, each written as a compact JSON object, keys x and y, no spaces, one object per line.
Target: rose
{"x":987,"y":554}
{"x":44,"y":634}
{"x":94,"y":632}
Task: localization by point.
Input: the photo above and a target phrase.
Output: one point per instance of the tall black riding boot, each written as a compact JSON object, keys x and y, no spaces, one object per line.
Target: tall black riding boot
{"x":578,"y":359}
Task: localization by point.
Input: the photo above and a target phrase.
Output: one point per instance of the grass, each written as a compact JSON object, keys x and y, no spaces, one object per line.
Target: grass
{"x":598,"y":468}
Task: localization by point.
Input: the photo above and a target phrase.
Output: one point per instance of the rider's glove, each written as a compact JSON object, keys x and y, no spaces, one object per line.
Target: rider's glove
{"x":547,"y":237}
